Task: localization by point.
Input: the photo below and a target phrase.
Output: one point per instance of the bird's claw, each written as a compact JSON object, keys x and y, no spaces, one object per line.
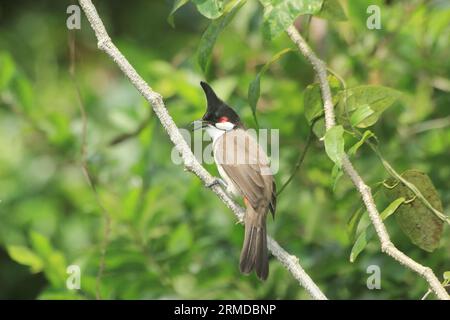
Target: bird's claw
{"x":217,"y":181}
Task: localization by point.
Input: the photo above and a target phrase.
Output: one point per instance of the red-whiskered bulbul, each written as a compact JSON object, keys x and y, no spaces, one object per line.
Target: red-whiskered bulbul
{"x":244,"y":167}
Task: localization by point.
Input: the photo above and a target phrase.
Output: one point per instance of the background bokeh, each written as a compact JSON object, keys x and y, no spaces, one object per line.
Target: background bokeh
{"x":169,"y":236}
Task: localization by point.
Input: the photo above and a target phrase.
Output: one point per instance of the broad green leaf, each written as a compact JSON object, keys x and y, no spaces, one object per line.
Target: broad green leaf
{"x":360,"y":243}
{"x":361,"y":114}
{"x":25,"y":256}
{"x":367,"y":234}
{"x":280,"y":14}
{"x":176,"y":5}
{"x":415,"y":219}
{"x":211,"y":9}
{"x":378,"y":98}
{"x":209,"y":38}
{"x":334,"y":144}
{"x":7,"y":69}
{"x":367,"y":135}
{"x":332,"y":10}
{"x":254,"y":87}
{"x":313,"y":103}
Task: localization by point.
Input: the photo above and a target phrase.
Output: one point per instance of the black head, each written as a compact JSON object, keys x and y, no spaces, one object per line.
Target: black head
{"x":217,"y":111}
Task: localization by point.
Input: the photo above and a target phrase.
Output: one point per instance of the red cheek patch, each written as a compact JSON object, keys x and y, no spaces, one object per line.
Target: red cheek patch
{"x":223,"y":119}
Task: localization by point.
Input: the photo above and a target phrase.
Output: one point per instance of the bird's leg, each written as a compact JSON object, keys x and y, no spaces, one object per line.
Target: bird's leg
{"x":224,"y":185}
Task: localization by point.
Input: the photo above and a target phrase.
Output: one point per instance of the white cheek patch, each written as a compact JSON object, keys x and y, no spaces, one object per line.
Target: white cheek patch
{"x":224,"y":126}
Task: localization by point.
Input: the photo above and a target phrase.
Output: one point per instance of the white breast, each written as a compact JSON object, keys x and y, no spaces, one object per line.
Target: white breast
{"x":215,"y":134}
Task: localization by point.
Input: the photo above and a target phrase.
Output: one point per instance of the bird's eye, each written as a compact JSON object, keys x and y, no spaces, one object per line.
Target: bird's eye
{"x":223,"y":119}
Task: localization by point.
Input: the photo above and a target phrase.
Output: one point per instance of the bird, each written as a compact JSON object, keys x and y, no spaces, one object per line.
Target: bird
{"x":244,"y":168}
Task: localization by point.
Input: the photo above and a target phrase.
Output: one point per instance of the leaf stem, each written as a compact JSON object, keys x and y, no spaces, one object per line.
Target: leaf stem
{"x":301,"y":155}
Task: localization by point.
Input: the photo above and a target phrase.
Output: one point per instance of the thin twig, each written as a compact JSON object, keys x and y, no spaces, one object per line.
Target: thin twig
{"x":301,"y":157}
{"x":433,"y":124}
{"x":386,"y":245}
{"x":426,"y":294}
{"x":129,"y":135}
{"x":190,"y":162}
{"x":445,"y":284}
{"x":85,"y":168}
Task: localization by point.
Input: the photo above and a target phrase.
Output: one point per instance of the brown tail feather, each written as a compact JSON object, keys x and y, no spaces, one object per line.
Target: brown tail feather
{"x":254,"y":254}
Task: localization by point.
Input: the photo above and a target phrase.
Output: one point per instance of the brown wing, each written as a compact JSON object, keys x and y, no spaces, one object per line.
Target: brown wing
{"x":246,"y":164}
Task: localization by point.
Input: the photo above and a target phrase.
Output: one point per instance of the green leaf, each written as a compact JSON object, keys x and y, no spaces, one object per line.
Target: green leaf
{"x":40,"y":244}
{"x":25,"y":256}
{"x":361,"y":243}
{"x":176,"y":5}
{"x":180,"y":240}
{"x":209,"y":38}
{"x":211,"y":9}
{"x":254,"y":87}
{"x":280,"y":14}
{"x":334,"y":144}
{"x":130,"y":204}
{"x":332,"y":10}
{"x":367,"y":135}
{"x":415,"y":219}
{"x":313,"y":104}
{"x":378,"y":98}
{"x":54,"y":261}
{"x":24,"y":92}
{"x":391,"y":208}
{"x":360,"y":114}
{"x":336,"y":174}
{"x":446,"y":275}
{"x":7,"y":69}
{"x":352,"y":224}
{"x":367,"y":234}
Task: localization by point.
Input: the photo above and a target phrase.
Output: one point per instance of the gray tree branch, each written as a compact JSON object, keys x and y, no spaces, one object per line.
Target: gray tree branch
{"x":386,"y":245}
{"x":190,"y":162}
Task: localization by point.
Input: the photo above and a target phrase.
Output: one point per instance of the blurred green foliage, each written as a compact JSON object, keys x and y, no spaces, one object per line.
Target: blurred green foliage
{"x":169,"y":236}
